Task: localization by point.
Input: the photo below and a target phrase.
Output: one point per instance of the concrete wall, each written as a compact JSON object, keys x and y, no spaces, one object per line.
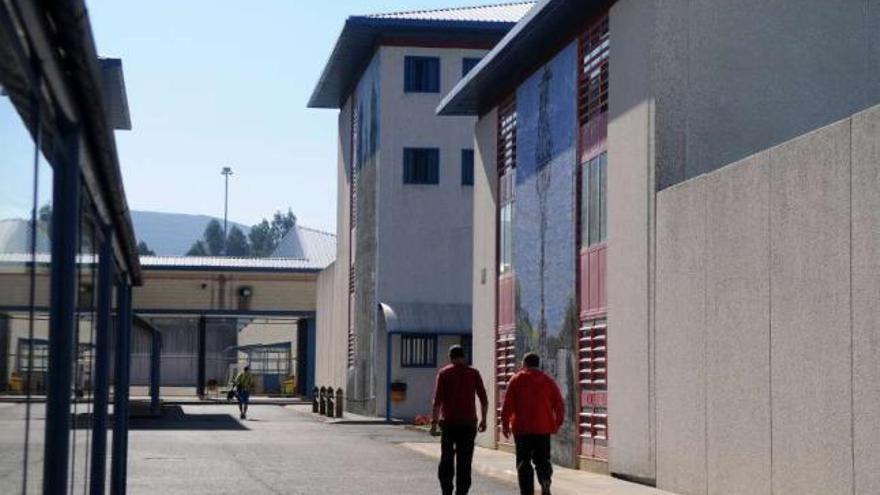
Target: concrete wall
{"x":730,"y":85}
{"x":331,"y":342}
{"x":767,"y":347}
{"x":424,"y":230}
{"x":485,"y":270}
{"x":170,"y":290}
{"x":630,"y":242}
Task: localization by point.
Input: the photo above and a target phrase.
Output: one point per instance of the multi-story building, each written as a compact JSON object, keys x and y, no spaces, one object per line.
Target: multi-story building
{"x":401,"y":278}
{"x":709,"y":327}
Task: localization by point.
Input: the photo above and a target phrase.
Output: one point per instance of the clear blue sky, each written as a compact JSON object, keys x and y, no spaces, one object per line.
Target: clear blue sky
{"x":220,"y":82}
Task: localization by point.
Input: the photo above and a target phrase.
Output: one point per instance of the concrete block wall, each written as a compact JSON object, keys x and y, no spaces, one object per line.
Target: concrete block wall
{"x":485,"y":260}
{"x":767,"y":327}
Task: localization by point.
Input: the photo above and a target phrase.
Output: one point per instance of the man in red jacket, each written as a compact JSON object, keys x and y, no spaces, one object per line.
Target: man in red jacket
{"x":457,"y":386}
{"x":533,"y":410}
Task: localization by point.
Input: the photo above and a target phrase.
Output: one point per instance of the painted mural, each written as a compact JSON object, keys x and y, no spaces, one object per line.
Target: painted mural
{"x":543,"y":231}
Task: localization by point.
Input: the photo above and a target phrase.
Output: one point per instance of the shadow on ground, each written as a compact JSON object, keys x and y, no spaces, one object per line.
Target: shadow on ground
{"x":173,"y":417}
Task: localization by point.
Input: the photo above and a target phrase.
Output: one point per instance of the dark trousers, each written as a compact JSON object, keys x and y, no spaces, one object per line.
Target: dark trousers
{"x":533,"y":449}
{"x":457,"y":452}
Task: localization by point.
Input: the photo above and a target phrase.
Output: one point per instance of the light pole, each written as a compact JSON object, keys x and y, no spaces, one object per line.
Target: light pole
{"x":226,"y":172}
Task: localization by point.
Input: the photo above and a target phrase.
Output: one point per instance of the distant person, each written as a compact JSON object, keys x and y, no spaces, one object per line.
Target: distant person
{"x":457,"y":386}
{"x":244,"y":384}
{"x":533,"y":410}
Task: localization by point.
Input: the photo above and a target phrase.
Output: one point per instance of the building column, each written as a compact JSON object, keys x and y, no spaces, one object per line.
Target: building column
{"x":62,"y":316}
{"x":155,"y":371}
{"x":119,"y":461}
{"x":306,"y":354}
{"x":202,"y":357}
{"x":106,"y":273}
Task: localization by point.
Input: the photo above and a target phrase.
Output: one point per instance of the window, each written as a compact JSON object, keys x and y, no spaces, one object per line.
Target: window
{"x":507,"y":167}
{"x":421,"y":166}
{"x":421,"y":75}
{"x":418,"y":351}
{"x":467,"y":167}
{"x":594,"y":213}
{"x":467,"y":64}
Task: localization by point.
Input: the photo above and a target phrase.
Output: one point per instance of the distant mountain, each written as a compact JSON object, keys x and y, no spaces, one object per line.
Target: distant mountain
{"x":172,"y":234}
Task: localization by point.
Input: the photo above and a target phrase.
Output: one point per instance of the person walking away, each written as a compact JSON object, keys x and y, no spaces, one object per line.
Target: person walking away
{"x":457,"y":385}
{"x":244,"y":385}
{"x":533,"y":410}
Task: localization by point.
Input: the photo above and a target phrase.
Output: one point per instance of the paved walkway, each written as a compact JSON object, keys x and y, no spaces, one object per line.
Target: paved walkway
{"x":502,"y":466}
{"x":205,"y":449}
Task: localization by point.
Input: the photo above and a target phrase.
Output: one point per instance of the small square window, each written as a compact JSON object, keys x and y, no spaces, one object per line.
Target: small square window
{"x":421,"y":166}
{"x":418,"y":351}
{"x":467,"y":64}
{"x":421,"y":75}
{"x":467,"y":167}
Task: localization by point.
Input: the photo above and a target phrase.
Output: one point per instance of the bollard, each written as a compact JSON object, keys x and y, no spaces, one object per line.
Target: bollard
{"x":330,"y":408}
{"x":322,"y":402}
{"x":315,"y":400}
{"x":339,"y":402}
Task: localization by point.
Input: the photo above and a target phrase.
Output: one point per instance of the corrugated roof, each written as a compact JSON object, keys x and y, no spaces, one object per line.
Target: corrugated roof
{"x":302,"y":249}
{"x":225,"y":263}
{"x":472,"y":26}
{"x":502,"y":12}
{"x":317,"y":246}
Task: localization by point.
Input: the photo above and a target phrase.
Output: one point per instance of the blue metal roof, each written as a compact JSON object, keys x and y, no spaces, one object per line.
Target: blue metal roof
{"x":361,"y":34}
{"x":547,"y":27}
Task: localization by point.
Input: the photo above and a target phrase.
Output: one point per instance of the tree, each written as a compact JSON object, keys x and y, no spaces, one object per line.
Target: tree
{"x":214,"y":238}
{"x":265,"y":236}
{"x":145,"y":250}
{"x":237,"y":243}
{"x":197,"y":249}
{"x":262,"y":244}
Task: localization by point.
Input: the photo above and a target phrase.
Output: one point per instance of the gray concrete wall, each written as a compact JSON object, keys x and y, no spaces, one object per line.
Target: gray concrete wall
{"x":767,"y":344}
{"x":484,"y":277}
{"x":766,"y":71}
{"x":865,"y":294}
{"x":425,"y":230}
{"x":331,"y":342}
{"x":630,"y":211}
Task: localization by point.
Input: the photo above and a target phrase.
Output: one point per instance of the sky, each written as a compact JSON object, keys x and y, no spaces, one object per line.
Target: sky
{"x":214,"y":83}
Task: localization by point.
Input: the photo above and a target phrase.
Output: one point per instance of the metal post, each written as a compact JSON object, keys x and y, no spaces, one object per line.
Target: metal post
{"x":339,"y":402}
{"x":155,"y":374}
{"x":119,"y":462}
{"x":106,"y":272}
{"x":322,"y":402}
{"x":330,"y":407}
{"x":62,"y":316}
{"x":226,"y":172}
{"x":200,"y":379}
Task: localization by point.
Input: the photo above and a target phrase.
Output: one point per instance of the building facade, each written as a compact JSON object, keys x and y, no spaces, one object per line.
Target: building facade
{"x":67,"y":256}
{"x":602,"y":128}
{"x":404,"y":198}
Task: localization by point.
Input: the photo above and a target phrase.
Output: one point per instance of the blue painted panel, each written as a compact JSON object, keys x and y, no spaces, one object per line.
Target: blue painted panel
{"x":543,"y":227}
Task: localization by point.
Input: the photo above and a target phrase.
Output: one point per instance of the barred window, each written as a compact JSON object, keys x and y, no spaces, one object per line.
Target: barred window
{"x":421,"y":166}
{"x":418,"y":351}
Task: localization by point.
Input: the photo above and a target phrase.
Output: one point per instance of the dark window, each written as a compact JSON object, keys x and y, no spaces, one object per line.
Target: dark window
{"x":467,"y":167}
{"x":421,"y":166}
{"x":467,"y":64}
{"x":421,"y":75}
{"x":418,"y":351}
{"x":593,"y":200}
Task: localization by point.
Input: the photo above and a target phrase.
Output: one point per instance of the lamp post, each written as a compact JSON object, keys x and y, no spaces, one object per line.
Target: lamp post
{"x":226,"y":172}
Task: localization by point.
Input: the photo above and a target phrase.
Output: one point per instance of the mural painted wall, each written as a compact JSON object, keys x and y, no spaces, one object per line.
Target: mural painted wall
{"x":543,"y":231}
{"x":365,"y":143}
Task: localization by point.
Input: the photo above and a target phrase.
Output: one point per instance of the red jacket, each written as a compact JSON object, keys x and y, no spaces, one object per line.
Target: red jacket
{"x":454,"y":393}
{"x":533,"y":404}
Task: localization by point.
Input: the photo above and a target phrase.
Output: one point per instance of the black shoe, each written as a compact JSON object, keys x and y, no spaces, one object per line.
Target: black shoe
{"x":545,"y":488}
